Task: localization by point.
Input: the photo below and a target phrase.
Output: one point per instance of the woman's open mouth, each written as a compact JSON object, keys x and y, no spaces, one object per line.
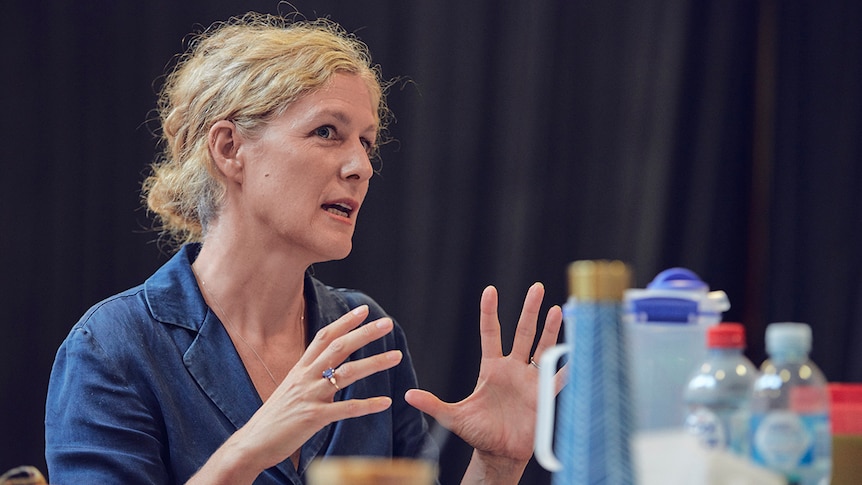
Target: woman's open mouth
{"x":338,"y":209}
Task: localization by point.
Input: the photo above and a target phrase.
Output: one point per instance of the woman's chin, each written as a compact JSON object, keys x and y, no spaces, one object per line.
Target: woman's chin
{"x":337,"y":254}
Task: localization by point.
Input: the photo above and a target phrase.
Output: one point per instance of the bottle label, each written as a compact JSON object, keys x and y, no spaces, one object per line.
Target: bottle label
{"x":708,"y":428}
{"x":720,"y":428}
{"x":786,"y":441}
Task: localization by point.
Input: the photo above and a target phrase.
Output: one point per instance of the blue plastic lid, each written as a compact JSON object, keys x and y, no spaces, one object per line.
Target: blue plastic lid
{"x":659,"y":303}
{"x":678,"y":279}
{"x":666,"y":310}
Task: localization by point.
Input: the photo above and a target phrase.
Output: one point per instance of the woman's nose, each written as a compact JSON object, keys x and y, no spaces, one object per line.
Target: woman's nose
{"x":358,"y":164}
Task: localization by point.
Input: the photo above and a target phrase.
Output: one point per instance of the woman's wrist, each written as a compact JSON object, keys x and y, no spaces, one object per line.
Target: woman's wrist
{"x":488,"y":469}
{"x":233,"y":463}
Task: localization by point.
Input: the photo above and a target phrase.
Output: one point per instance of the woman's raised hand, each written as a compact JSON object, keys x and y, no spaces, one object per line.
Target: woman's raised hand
{"x":498,"y":419}
{"x":303,"y":404}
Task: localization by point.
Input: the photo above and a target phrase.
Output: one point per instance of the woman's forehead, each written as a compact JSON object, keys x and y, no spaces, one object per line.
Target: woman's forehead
{"x":345,"y":98}
{"x":342,"y":95}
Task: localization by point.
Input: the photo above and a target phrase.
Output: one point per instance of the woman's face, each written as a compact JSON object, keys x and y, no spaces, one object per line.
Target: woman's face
{"x":306,"y":174}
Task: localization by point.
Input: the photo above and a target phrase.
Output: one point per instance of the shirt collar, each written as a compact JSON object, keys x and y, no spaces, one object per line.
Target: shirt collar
{"x":173,"y":295}
{"x":172,"y":292}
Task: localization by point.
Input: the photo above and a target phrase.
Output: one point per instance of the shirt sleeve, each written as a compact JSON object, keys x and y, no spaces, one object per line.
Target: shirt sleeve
{"x":97,"y":426}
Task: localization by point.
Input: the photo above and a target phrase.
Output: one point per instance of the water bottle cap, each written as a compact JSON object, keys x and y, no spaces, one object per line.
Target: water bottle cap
{"x":785,"y":337}
{"x":726,"y":335}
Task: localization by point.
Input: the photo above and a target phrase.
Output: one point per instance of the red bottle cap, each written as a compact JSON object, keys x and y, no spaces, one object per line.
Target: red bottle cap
{"x":726,"y":335}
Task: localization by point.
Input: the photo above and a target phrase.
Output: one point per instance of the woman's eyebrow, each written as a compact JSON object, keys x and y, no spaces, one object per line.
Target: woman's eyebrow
{"x":341,"y":116}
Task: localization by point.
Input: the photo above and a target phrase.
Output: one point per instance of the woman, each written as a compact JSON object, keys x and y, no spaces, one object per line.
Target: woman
{"x":231,"y":364}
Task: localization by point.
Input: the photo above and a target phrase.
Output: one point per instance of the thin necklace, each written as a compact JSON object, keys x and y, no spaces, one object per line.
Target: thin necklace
{"x":235,"y":331}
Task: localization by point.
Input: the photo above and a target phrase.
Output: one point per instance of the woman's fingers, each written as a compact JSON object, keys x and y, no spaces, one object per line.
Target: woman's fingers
{"x":489,"y":325}
{"x":355,"y":408}
{"x":525,"y":332}
{"x":346,"y":374}
{"x":342,"y":346}
{"x":333,"y":344}
{"x":326,"y":335}
{"x":352,"y":371}
{"x":551,"y":331}
{"x":336,"y":341}
{"x":431,"y":405}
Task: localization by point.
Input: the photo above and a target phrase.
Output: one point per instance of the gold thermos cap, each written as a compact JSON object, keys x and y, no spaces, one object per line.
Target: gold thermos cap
{"x":598,"y":280}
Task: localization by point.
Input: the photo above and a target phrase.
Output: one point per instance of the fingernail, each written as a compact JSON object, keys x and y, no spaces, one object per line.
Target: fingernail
{"x":383,"y":322}
{"x":394,"y":356}
{"x":360,"y":309}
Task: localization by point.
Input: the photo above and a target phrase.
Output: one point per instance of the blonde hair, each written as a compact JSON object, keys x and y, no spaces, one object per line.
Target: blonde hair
{"x":246,"y":70}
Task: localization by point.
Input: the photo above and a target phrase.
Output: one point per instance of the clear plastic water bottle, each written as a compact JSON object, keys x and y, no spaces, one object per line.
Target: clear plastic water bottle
{"x":790,"y":425}
{"x":717,"y":395}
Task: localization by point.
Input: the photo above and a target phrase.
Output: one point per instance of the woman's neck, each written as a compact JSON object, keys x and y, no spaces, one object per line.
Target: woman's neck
{"x":261,"y":292}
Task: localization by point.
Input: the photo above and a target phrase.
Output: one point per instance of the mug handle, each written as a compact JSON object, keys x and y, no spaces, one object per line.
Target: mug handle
{"x":545,"y":408}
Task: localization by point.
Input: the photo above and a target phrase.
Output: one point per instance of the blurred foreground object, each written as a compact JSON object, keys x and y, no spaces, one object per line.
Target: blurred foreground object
{"x":23,"y":475}
{"x":665,"y":328}
{"x":594,"y":420}
{"x":658,"y":461}
{"x":846,"y":401}
{"x":357,"y":470}
{"x":790,"y":427}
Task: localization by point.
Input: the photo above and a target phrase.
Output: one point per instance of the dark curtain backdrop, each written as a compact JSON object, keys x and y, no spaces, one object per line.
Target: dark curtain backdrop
{"x":721,"y":136}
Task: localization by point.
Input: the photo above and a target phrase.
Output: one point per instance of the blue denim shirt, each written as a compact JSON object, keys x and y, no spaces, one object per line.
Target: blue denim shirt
{"x":148,"y":385}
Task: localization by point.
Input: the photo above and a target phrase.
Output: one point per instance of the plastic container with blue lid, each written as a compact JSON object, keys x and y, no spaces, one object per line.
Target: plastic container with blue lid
{"x":665,"y":325}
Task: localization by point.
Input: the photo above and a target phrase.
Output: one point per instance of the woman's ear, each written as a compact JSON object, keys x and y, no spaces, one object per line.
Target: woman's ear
{"x":224,"y":143}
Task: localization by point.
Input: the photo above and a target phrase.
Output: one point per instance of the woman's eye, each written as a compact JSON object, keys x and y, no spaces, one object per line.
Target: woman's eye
{"x":325,"y":132}
{"x":369,"y":147}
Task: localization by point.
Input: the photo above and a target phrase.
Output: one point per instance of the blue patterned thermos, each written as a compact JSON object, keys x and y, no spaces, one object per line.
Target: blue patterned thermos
{"x":594,"y":419}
